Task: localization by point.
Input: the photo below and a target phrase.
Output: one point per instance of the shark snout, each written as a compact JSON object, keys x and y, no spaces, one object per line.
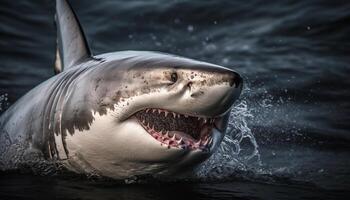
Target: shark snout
{"x":211,"y":92}
{"x":235,"y":79}
{"x":236,"y":84}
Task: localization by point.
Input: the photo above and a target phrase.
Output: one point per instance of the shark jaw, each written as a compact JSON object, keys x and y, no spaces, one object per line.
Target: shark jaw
{"x":176,"y":130}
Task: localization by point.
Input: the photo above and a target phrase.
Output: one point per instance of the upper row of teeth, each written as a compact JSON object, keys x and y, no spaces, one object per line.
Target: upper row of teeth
{"x":175,"y":115}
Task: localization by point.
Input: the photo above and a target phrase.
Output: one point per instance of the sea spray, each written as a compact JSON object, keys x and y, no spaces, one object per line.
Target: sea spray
{"x":230,"y":156}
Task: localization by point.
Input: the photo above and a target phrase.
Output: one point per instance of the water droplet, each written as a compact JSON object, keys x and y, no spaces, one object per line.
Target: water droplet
{"x":190,"y":28}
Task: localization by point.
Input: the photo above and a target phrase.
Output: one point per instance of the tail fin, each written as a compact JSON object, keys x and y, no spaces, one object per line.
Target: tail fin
{"x":72,"y":44}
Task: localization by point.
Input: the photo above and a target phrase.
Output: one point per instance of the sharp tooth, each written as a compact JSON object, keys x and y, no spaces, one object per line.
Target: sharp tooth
{"x":159,"y":111}
{"x":198,"y":143}
{"x":205,"y":121}
{"x":147,"y":110}
{"x":199,"y":118}
{"x":143,"y":121}
{"x":173,"y":138}
{"x":206,"y":141}
{"x":165,"y":113}
{"x":179,"y":141}
{"x":154,"y":110}
{"x":174,"y":115}
{"x":166,"y":140}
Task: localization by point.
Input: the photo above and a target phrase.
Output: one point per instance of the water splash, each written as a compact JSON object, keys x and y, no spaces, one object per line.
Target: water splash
{"x":238,"y":130}
{"x":239,"y":149}
{"x":239,"y":155}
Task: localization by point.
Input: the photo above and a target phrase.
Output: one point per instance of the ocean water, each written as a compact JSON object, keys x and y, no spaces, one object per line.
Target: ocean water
{"x":289,"y":133}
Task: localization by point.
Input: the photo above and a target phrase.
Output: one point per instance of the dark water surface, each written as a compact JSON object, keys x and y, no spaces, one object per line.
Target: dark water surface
{"x":294,"y":57}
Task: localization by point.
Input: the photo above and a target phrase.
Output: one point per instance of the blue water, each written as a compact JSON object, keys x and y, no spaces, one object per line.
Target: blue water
{"x":294,"y":57}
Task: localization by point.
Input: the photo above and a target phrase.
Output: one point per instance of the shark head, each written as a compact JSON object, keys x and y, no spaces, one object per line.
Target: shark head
{"x":151,"y":113}
{"x":135,"y":112}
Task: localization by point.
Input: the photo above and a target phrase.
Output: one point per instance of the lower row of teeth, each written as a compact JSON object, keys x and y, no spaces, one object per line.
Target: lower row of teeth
{"x":177,"y":141}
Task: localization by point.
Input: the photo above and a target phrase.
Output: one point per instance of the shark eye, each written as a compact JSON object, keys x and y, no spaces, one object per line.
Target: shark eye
{"x":174,"y":77}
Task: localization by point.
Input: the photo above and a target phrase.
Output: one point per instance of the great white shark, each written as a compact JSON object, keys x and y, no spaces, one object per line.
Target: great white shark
{"x":118,"y":114}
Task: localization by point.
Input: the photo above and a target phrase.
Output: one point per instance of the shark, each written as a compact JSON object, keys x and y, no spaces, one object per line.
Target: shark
{"x":118,"y":114}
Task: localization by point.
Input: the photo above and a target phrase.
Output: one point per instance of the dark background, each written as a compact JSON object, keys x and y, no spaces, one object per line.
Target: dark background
{"x":293,"y":55}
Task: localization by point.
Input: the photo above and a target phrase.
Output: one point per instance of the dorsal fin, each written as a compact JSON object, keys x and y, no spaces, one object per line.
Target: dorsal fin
{"x":72,"y":45}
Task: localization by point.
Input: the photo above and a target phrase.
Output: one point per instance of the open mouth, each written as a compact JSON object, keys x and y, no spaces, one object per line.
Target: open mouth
{"x":177,"y":130}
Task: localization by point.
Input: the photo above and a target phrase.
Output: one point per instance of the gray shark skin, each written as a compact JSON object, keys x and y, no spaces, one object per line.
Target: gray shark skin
{"x":118,"y":114}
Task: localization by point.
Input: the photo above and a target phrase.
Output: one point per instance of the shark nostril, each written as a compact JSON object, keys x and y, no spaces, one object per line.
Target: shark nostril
{"x":189,"y":85}
{"x":235,"y":80}
{"x":197,"y":94}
